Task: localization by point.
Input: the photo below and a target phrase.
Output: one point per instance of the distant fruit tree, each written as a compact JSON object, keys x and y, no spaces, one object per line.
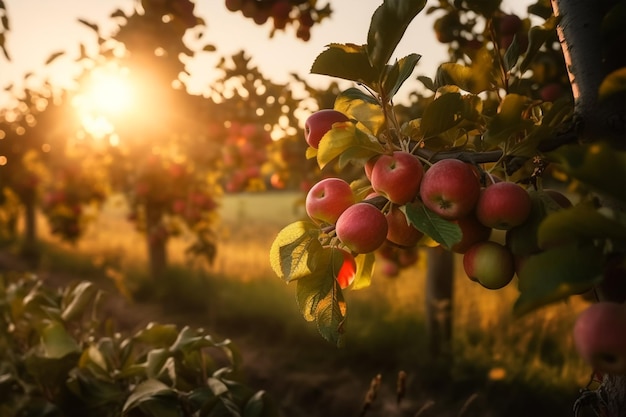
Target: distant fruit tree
{"x":510,"y":111}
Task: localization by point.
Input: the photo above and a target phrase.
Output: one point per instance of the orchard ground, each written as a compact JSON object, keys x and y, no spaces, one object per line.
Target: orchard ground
{"x":502,"y":366}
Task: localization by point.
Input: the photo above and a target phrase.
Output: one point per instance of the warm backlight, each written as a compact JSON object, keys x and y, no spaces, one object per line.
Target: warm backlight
{"x":106,"y":97}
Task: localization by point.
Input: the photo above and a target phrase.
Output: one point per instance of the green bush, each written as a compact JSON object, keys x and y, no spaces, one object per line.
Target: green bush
{"x":59,"y":359}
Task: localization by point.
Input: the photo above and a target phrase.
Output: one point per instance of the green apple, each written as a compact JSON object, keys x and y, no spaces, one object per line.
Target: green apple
{"x":490,"y":264}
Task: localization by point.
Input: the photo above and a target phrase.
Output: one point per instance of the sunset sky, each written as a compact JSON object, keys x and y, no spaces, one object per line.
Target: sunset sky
{"x":42,"y":27}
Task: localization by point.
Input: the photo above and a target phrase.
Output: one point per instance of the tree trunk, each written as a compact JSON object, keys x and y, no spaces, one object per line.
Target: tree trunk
{"x":439,"y":291}
{"x":30,"y":247}
{"x":157,"y":239}
{"x":589,"y":58}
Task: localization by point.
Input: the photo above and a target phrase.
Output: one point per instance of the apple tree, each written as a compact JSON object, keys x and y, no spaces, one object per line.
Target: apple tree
{"x":486,"y":143}
{"x":43,"y":166}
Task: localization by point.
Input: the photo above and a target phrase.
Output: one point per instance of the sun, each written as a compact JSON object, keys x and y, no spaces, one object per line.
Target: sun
{"x":105,"y":97}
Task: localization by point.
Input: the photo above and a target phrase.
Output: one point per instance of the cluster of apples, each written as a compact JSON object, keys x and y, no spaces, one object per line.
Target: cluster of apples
{"x":172,"y":189}
{"x":280,"y":12}
{"x":243,"y":154}
{"x":449,"y":188}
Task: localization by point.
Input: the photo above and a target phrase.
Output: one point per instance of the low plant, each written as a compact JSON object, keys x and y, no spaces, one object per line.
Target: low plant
{"x":59,"y":359}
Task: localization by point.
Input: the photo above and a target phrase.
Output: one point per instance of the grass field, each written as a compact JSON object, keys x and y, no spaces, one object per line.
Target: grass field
{"x":492,"y":350}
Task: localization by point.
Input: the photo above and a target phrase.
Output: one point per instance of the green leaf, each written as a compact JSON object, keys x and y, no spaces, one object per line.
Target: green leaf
{"x":442,"y":114}
{"x":522,"y":240}
{"x":428,"y":82}
{"x":57,"y":342}
{"x":581,"y":222}
{"x":348,"y":62}
{"x":364,"y":270}
{"x":509,"y":121}
{"x":362,"y":107}
{"x":557,"y":273}
{"x":79,"y":298}
{"x":389,"y":22}
{"x":90,"y":25}
{"x":255,"y":405}
{"x":155,"y":360}
{"x":294,"y":250}
{"x":398,"y":73}
{"x":320,"y":298}
{"x":440,"y":230}
{"x":537,"y":36}
{"x":598,"y":166}
{"x":157,"y":335}
{"x":146,"y":391}
{"x":614,"y":83}
{"x":53,"y":57}
{"x":342,"y":137}
{"x":475,"y":79}
{"x":511,"y":55}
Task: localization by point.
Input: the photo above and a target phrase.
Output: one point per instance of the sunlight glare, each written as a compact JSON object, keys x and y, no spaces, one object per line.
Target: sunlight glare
{"x":107,"y":96}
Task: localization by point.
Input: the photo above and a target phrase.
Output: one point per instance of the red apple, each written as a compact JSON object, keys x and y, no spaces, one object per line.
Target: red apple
{"x":369,"y":166}
{"x":450,"y":189}
{"x":473,"y":232}
{"x":362,"y":228}
{"x":400,"y":231}
{"x":600,"y":337}
{"x":397,"y":177}
{"x":320,"y":122}
{"x":503,"y":205}
{"x":327,"y":199}
{"x":490,"y":264}
{"x":347,"y":272}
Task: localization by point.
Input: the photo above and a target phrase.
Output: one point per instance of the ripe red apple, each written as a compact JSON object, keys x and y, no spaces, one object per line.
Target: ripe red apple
{"x":389,"y":268}
{"x":327,"y":199}
{"x":400,"y":231}
{"x":347,"y":272}
{"x":503,"y":206}
{"x":397,"y":177}
{"x":473,"y":232}
{"x":369,"y":166}
{"x":362,"y":228}
{"x":320,"y":122}
{"x":600,"y":337}
{"x":450,"y":188}
{"x":490,"y":264}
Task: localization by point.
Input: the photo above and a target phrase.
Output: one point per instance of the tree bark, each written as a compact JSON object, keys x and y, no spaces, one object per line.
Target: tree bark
{"x":439,"y":292}
{"x":589,"y":58}
{"x":30,"y":249}
{"x":157,"y":243}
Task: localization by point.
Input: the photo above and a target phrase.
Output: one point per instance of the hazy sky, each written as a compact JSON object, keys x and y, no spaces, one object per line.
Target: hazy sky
{"x":41,"y":27}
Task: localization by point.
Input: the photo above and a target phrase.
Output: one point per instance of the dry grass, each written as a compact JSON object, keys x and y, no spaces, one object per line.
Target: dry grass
{"x":537,"y":347}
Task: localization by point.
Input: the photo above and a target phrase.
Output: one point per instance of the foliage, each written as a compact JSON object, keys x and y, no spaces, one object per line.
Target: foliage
{"x":59,"y":359}
{"x":486,"y":109}
{"x":300,"y":14}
